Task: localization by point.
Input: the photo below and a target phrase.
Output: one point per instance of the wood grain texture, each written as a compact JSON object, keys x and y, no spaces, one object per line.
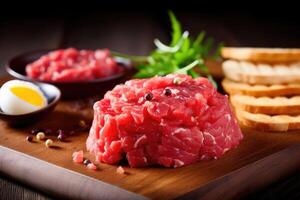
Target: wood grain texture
{"x":152,"y":182}
{"x":53,"y":179}
{"x":285,"y":188}
{"x":238,"y":29}
{"x":245,"y":180}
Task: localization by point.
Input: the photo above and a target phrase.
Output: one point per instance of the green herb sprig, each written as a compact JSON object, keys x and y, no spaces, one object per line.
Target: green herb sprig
{"x":182,"y":55}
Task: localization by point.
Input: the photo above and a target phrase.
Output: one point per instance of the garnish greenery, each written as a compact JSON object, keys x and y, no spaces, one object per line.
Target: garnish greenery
{"x":183,"y":55}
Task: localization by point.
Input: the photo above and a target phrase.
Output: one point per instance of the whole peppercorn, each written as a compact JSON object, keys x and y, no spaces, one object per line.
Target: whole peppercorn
{"x":40,"y":136}
{"x":82,"y":124}
{"x":29,"y":138}
{"x":86,"y":162}
{"x":49,"y":143}
{"x":148,"y":96}
{"x":167,"y":92}
{"x":61,"y":135}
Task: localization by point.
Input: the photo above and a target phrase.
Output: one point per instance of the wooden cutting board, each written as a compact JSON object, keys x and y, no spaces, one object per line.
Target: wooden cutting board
{"x":259,"y":160}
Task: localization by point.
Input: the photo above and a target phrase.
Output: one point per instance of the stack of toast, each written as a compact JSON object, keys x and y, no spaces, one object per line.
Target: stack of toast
{"x":264,"y":86}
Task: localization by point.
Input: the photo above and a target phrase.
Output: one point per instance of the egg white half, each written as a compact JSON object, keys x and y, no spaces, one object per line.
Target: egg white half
{"x":12,"y":104}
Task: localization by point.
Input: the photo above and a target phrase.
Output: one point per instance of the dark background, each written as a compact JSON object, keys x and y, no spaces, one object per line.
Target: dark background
{"x":130,"y":27}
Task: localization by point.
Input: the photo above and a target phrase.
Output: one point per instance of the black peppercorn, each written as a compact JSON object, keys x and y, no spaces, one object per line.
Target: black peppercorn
{"x":86,"y":162}
{"x":148,"y":96}
{"x":29,"y":138}
{"x":167,"y":92}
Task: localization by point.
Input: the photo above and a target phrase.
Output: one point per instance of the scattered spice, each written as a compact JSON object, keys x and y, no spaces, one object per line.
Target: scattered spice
{"x":61,"y":135}
{"x":82,"y":124}
{"x":92,"y":166}
{"x":148,"y":96}
{"x":86,"y":162}
{"x":120,"y":170}
{"x":40,"y":136}
{"x":167,"y":92}
{"x":49,"y":143}
{"x":29,"y":138}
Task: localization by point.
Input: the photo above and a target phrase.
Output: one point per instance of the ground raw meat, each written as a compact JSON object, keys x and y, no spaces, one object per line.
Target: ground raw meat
{"x":78,"y":156}
{"x":92,"y":166}
{"x":70,"y":65}
{"x":171,"y":121}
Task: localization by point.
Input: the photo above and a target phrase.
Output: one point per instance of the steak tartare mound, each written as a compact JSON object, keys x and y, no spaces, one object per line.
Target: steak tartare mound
{"x":170,"y":121}
{"x":69,"y":65}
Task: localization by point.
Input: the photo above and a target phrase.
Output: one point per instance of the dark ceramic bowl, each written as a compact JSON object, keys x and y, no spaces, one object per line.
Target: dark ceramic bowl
{"x":70,"y":90}
{"x":52,"y":94}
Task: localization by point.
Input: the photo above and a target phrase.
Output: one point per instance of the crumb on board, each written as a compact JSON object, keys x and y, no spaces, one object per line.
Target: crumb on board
{"x":120,"y":170}
{"x":78,"y":156}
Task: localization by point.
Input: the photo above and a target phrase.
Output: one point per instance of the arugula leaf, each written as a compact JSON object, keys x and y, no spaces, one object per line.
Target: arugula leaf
{"x":176,"y":29}
{"x":172,"y":49}
{"x":193,"y":74}
{"x":199,"y":39}
{"x":185,"y":69}
{"x":139,"y":59}
{"x":182,"y":55}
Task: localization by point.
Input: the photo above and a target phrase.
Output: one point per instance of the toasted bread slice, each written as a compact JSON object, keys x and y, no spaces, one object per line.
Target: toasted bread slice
{"x":264,"y":74}
{"x":232,"y":88}
{"x":267,"y":105}
{"x":267,"y":55}
{"x":265,"y":122}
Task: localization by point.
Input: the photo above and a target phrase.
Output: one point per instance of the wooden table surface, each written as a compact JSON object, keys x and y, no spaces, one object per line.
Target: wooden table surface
{"x":133,"y":33}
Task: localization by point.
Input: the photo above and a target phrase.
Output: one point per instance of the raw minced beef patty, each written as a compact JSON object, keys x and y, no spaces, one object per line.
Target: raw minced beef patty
{"x":72,"y":65}
{"x":171,"y":121}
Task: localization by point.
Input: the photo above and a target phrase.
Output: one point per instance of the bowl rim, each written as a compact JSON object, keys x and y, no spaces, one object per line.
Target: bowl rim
{"x":49,"y":106}
{"x":122,"y":62}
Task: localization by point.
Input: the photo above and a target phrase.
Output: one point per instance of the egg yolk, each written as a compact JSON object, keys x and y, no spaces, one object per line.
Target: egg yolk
{"x":29,"y":95}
